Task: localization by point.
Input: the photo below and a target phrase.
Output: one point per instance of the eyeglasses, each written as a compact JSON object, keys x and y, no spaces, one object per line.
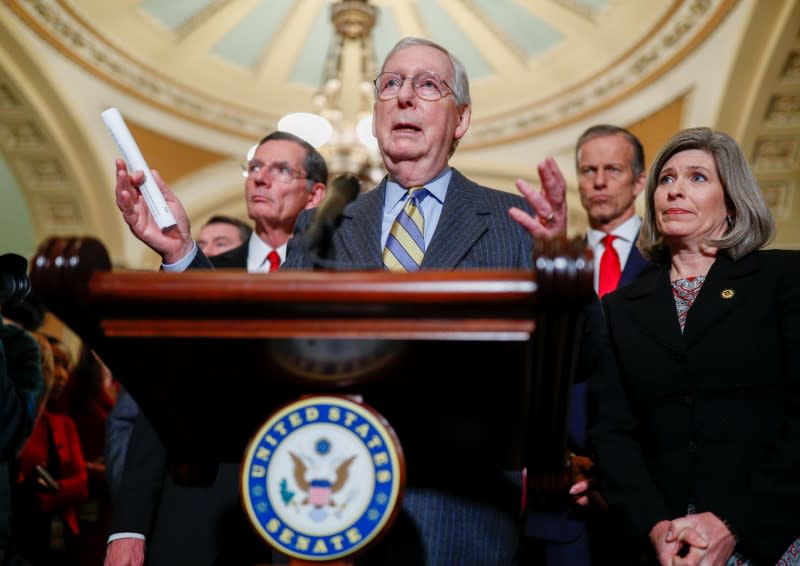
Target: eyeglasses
{"x":428,"y":85}
{"x":278,"y":170}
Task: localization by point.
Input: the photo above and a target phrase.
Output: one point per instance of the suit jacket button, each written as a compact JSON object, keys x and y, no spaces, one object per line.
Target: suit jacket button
{"x":692,"y":447}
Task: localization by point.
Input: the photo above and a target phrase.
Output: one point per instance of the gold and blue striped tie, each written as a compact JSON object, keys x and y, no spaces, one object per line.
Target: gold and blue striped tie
{"x":406,"y":243}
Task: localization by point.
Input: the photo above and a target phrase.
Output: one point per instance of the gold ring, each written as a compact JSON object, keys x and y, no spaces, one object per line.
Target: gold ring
{"x":547,"y":220}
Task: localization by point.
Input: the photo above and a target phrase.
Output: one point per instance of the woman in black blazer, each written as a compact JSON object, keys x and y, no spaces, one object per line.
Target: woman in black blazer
{"x":697,"y":428}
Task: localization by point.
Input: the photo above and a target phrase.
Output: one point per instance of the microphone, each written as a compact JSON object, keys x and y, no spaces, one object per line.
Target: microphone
{"x":319,"y":236}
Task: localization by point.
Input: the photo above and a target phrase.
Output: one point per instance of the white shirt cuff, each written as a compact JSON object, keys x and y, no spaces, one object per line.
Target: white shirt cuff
{"x":116,"y":536}
{"x":182,"y":264}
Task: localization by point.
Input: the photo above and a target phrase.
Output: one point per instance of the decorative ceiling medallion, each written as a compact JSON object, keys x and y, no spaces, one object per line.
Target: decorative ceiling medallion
{"x":79,"y":37}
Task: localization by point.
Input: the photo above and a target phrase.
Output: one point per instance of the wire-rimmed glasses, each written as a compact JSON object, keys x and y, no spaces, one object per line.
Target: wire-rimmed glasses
{"x":277,"y":170}
{"x":427,"y":84}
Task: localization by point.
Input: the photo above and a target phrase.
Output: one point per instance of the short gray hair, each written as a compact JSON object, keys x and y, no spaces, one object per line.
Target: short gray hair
{"x":313,"y":162}
{"x":607,"y":130}
{"x":751,"y":225}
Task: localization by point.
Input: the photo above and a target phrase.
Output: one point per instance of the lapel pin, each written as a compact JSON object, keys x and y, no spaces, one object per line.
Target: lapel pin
{"x":727,"y":293}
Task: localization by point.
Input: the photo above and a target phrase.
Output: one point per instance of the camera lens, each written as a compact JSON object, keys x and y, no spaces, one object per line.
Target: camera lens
{"x":14,"y":282}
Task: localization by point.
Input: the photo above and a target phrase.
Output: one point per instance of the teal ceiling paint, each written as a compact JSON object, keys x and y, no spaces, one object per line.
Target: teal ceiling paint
{"x":245,"y":42}
{"x":311,"y":60}
{"x":174,"y":13}
{"x":520,"y":25}
{"x":385,"y":34}
{"x":441,"y":29}
{"x":16,"y":227}
{"x":594,"y":4}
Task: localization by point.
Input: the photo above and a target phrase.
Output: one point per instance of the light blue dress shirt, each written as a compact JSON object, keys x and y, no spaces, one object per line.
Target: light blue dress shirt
{"x":431,"y":205}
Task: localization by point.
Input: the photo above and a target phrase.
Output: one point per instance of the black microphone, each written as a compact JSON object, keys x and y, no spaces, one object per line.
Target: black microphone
{"x":319,"y":236}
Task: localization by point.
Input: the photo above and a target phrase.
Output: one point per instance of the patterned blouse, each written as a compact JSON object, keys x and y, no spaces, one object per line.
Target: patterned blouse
{"x":685,"y":292}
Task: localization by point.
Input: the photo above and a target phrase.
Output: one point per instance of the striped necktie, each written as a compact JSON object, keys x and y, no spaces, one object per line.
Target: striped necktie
{"x":405,"y":245}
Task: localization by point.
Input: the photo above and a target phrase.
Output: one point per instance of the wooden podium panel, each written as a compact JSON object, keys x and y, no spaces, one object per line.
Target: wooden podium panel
{"x":470,"y":367}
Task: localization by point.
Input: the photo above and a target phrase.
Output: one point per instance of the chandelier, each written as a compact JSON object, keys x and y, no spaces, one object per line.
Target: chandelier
{"x":341,"y":126}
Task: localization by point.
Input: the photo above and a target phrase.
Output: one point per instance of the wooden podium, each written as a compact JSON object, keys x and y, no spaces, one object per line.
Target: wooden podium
{"x":471,"y":368}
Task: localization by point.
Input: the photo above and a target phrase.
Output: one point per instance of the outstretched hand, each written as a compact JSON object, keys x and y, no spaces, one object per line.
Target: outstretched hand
{"x":173,"y":243}
{"x":550,"y":203}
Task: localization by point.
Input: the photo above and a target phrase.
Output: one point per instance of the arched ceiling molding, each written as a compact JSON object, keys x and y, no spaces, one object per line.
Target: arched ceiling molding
{"x":45,"y":148}
{"x":773,"y":30}
{"x":680,"y":32}
{"x":520,"y":106}
{"x":701,"y":79}
{"x":761,"y":110}
{"x":209,"y":188}
{"x":57,"y":24}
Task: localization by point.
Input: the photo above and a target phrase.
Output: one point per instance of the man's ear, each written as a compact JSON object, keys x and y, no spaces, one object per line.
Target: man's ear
{"x":464,"y":115}
{"x":639,"y":184}
{"x":316,"y":195}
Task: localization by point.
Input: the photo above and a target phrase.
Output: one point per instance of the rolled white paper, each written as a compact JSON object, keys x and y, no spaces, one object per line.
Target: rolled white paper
{"x":133,"y":157}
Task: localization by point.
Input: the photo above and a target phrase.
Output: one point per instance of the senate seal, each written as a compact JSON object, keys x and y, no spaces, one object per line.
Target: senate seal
{"x":322,"y":478}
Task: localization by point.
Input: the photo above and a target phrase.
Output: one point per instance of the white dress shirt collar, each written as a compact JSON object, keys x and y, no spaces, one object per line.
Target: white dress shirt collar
{"x":257,"y":251}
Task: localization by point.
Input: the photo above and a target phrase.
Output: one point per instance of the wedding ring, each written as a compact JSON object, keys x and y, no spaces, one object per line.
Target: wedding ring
{"x":548,"y":220}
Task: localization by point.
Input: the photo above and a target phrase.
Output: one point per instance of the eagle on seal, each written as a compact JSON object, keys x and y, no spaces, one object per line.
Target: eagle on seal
{"x":320,"y":490}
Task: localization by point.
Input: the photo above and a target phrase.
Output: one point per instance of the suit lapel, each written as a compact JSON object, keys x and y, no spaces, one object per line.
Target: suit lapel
{"x":651,"y":306}
{"x":237,"y":257}
{"x":633,"y":265}
{"x":462,"y":222}
{"x":727,"y":284}
{"x":360,"y":232}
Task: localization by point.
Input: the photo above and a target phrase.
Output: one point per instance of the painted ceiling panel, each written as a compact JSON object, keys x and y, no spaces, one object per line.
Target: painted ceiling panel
{"x":527,"y":31}
{"x":245,"y":42}
{"x":175,"y":13}
{"x":523,"y":87}
{"x":594,"y":4}
{"x":15,"y":218}
{"x":440,"y":28}
{"x":385,"y":33}
{"x":311,"y":61}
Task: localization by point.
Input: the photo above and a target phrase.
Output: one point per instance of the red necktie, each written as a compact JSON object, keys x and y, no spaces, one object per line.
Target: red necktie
{"x":274,"y":260}
{"x":610,"y":269}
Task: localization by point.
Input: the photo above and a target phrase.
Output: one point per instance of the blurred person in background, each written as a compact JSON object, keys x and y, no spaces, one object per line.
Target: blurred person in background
{"x":92,"y":393}
{"x":51,"y":479}
{"x":21,"y":390}
{"x":221,"y":234}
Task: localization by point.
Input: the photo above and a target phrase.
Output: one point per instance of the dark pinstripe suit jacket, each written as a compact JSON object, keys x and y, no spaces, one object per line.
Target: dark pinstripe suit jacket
{"x":474,"y":232}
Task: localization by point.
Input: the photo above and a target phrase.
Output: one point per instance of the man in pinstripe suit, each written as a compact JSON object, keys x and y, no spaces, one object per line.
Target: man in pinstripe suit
{"x":465,"y":515}
{"x":422,"y":109}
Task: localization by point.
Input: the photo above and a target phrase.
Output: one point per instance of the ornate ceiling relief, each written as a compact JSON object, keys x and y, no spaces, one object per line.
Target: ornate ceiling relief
{"x":57,"y":24}
{"x":666,"y":42}
{"x":776,"y":151}
{"x":36,"y":162}
{"x":665,"y":39}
